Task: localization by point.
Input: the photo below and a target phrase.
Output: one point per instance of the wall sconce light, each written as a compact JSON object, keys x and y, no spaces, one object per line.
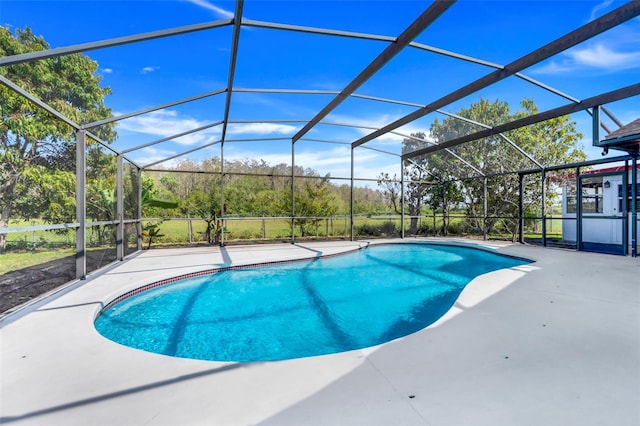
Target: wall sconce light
{"x":607,"y":184}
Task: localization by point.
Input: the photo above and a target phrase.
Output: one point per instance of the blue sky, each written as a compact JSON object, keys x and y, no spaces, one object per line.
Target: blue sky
{"x":150,"y":73}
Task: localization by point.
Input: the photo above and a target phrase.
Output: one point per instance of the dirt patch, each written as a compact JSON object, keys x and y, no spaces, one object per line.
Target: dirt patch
{"x":20,"y":286}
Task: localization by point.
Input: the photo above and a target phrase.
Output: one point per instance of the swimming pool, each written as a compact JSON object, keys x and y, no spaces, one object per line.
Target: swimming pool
{"x":299,"y":309}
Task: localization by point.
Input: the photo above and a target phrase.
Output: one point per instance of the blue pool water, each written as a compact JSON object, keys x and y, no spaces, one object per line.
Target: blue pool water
{"x":301,"y":309}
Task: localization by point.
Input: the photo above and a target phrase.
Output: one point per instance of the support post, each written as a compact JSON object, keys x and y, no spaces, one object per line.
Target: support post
{"x":521,"y":208}
{"x":293,"y":194}
{"x":625,"y":210}
{"x":484,"y":208}
{"x":139,"y":212}
{"x":578,"y":210}
{"x":595,"y":124}
{"x":221,"y":196}
{"x":351,"y":237}
{"x":402,"y":226}
{"x":634,"y":206}
{"x":543,"y":198}
{"x":81,"y":212}
{"x":444,"y":208}
{"x":119,"y":209}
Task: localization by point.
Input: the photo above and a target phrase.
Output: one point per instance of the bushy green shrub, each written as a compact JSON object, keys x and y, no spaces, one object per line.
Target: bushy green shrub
{"x":386,"y":229}
{"x":426,"y":229}
{"x":244,"y":234}
{"x":455,"y":228}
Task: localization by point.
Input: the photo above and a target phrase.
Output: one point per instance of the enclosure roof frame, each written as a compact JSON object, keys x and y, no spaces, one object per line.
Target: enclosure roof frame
{"x":610,"y":20}
{"x":395,"y":45}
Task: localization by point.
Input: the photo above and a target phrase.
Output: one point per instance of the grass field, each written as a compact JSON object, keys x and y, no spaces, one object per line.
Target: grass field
{"x":13,"y":261}
{"x":35,"y":247}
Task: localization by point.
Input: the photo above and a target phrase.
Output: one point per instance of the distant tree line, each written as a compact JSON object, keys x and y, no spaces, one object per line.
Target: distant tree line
{"x":254,"y":188}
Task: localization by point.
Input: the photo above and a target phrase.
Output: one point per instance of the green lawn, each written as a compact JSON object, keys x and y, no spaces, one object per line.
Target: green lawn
{"x":12,"y":261}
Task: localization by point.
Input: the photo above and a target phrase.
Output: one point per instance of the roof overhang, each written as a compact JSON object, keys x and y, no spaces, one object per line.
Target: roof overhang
{"x":626,"y":138}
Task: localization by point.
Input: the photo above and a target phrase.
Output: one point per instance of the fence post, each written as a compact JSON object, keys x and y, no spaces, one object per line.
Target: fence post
{"x":33,"y":236}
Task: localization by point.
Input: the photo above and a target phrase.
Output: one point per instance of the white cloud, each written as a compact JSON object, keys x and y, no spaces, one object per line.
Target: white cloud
{"x":164,"y":123}
{"x":106,"y":70}
{"x":378,"y":122}
{"x":222,"y":13}
{"x":370,"y":166}
{"x":152,"y":154}
{"x":147,"y":70}
{"x":323,"y":158}
{"x":554,"y":67}
{"x":599,"y":7}
{"x":601,"y":56}
{"x":319,"y":158}
{"x":261,"y":129}
{"x":372,"y":121}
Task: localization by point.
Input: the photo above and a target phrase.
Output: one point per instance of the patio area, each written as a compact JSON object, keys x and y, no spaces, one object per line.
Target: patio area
{"x":555,"y":342}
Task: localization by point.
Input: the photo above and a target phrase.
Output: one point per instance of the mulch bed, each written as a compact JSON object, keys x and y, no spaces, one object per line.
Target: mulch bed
{"x":20,"y":286}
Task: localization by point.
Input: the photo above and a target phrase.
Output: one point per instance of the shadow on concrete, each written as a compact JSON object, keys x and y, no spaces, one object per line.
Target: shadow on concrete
{"x":77,"y":305}
{"x":317,"y":252}
{"x":123,"y":393}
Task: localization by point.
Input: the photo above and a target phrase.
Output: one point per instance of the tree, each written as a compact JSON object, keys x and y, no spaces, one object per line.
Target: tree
{"x":207,"y":206}
{"x":314,"y":200}
{"x":47,"y":194}
{"x":365,"y":200}
{"x":30,"y":136}
{"x":422,"y":179}
{"x":554,"y":141}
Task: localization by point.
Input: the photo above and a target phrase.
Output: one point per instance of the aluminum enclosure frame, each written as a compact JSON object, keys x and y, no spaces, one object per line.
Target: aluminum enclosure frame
{"x":394,"y":46}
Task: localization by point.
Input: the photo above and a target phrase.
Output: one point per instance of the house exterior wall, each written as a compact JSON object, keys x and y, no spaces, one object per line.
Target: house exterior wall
{"x":605,"y":226}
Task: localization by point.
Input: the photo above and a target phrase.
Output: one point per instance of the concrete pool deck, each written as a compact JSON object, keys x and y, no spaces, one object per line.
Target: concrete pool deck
{"x":556,"y":342}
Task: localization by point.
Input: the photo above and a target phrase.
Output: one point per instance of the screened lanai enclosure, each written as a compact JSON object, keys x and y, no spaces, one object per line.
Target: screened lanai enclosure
{"x":294,"y":122}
